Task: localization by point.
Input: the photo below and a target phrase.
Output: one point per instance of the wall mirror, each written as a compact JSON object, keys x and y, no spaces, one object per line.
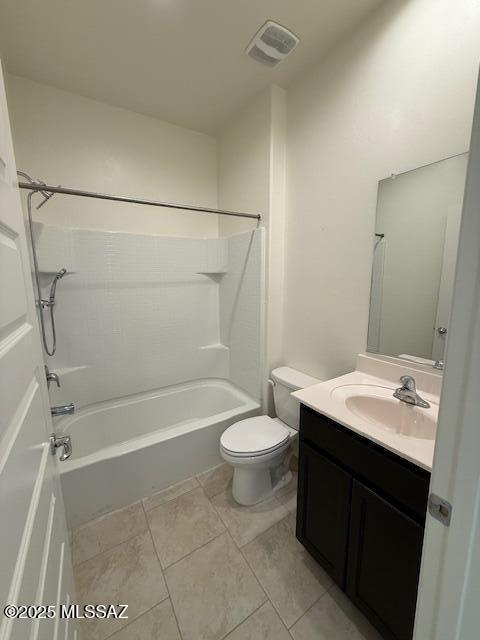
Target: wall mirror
{"x":416,"y":239}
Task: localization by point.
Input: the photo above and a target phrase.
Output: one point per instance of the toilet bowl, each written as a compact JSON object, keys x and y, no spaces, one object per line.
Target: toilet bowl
{"x":260,"y":448}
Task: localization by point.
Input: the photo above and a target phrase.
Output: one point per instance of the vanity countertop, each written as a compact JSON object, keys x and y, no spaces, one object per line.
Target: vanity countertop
{"x":328,"y":398}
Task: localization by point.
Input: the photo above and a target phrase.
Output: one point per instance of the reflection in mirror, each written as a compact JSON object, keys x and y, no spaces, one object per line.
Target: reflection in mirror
{"x":416,"y":239}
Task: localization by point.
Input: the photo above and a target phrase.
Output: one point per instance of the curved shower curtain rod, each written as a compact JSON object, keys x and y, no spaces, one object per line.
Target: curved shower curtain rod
{"x":48,"y":189}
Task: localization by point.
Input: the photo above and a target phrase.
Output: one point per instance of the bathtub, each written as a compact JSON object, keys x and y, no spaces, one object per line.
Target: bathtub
{"x":126,"y":449}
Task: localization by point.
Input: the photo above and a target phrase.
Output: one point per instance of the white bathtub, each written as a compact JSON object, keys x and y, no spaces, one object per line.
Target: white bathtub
{"x":126,"y":449}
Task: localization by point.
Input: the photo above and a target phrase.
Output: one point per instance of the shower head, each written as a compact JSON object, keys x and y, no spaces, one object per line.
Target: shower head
{"x":60,"y":274}
{"x":53,"y":288}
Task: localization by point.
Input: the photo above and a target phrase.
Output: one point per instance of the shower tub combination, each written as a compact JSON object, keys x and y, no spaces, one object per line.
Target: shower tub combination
{"x":126,"y":449}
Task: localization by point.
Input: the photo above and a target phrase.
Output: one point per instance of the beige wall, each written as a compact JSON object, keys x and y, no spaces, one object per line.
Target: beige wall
{"x":66,"y":139}
{"x":251,"y":177}
{"x":244,"y":165}
{"x":396,"y":95}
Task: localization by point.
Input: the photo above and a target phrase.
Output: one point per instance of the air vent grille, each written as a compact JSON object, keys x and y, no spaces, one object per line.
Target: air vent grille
{"x":280,"y":39}
{"x":260,"y":56}
{"x":271,"y":44}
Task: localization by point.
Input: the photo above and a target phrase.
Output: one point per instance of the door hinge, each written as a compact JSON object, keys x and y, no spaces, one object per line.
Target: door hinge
{"x":440,"y":509}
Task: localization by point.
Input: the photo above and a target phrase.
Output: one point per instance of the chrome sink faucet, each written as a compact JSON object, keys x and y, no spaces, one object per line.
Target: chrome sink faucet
{"x":408,"y":393}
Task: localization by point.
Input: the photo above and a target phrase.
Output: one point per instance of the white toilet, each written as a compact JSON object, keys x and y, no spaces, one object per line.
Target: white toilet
{"x":260,"y":448}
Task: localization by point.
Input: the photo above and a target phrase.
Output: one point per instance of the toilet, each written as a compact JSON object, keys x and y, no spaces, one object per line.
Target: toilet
{"x":260,"y":448}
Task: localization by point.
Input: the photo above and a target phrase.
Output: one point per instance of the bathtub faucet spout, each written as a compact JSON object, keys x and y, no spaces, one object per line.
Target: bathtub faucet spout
{"x":63,"y":410}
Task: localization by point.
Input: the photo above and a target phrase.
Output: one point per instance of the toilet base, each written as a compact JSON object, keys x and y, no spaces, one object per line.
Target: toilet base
{"x":251,"y":486}
{"x":258,"y":477}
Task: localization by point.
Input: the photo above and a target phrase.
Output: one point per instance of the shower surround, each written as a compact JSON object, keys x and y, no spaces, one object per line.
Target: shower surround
{"x":140,"y":314}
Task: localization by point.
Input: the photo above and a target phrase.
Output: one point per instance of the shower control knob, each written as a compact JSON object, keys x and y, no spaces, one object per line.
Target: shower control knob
{"x":51,"y":377}
{"x":62,"y":442}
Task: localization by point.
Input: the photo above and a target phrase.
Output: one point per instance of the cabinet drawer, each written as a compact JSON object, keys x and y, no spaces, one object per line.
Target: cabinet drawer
{"x":391,"y":476}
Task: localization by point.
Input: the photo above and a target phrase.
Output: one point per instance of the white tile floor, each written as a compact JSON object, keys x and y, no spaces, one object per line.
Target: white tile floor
{"x":194,"y":565}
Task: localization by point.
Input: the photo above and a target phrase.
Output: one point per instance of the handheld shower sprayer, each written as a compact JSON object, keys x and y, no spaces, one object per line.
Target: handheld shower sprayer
{"x":53,"y":287}
{"x":50,"y":303}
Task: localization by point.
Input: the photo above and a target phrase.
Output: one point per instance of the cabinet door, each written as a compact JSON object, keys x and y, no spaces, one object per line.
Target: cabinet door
{"x":324,"y":495}
{"x":385,"y":548}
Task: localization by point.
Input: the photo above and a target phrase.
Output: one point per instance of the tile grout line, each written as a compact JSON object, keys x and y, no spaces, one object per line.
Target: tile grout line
{"x":163,"y":574}
{"x":225,"y":530}
{"x":261,"y":585}
{"x":184,"y":493}
{"x":309,"y":609}
{"x":287,"y":513}
{"x":167,"y":597}
{"x":267,"y":599}
{"x":114,"y":546}
{"x":248,"y":564}
{"x":215,"y":494}
{"x":266,"y":592}
{"x":199,"y":486}
{"x":283,"y":519}
{"x":193,"y":550}
{"x":133,"y":620}
{"x":147,"y":511}
{"x":244,"y":620}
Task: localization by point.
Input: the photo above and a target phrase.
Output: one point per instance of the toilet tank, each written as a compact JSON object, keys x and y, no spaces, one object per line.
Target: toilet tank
{"x":286,"y":380}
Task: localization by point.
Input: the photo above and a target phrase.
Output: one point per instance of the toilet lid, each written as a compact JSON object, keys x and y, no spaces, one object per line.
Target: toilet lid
{"x":254,"y":436}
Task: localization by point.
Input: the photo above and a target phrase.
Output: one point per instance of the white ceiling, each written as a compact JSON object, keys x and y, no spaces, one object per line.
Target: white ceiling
{"x":179,"y":60}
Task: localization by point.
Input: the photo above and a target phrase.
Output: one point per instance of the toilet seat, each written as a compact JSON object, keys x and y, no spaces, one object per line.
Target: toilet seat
{"x":254,"y":437}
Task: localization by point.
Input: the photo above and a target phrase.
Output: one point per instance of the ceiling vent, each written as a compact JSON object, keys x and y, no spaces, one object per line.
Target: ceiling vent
{"x":271,"y":44}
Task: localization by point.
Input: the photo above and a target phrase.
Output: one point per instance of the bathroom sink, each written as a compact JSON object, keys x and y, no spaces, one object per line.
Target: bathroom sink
{"x":362,"y":401}
{"x":377,"y":406}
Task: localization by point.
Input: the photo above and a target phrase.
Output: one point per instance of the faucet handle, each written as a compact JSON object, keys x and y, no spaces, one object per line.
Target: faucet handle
{"x":51,"y":377}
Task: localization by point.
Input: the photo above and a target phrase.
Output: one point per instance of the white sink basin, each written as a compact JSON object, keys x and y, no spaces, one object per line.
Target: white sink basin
{"x":363,"y":402}
{"x":377,"y":406}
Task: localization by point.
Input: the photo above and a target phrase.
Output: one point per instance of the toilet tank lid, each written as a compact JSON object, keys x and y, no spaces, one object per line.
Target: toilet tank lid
{"x":293,"y":378}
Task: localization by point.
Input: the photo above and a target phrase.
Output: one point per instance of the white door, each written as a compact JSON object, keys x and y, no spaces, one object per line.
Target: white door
{"x":448,"y":605}
{"x":35,"y":566}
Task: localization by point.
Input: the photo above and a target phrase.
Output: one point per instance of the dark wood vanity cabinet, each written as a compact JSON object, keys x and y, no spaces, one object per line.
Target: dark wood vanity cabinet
{"x":361,"y":514}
